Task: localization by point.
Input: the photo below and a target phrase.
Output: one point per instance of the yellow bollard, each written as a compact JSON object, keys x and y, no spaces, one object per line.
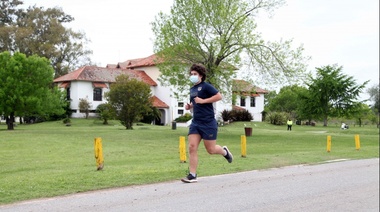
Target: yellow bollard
{"x":99,"y":153}
{"x":328,"y":143}
{"x":182,"y":149}
{"x":357,"y":142}
{"x":243,"y":142}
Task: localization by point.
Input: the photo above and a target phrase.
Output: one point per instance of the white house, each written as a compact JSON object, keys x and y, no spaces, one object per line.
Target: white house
{"x":92,"y":82}
{"x":250,"y":98}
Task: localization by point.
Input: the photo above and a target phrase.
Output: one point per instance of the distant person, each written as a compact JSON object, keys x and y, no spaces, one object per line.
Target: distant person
{"x":204,"y":125}
{"x":289,"y":123}
{"x":344,"y":126}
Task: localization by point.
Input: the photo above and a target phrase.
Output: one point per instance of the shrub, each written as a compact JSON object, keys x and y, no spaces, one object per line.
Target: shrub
{"x":66,"y":120}
{"x":106,"y":112}
{"x":277,"y":118}
{"x":184,"y":118}
{"x":152,"y":115}
{"x":226,"y":115}
{"x":241,"y":115}
{"x":236,"y":115}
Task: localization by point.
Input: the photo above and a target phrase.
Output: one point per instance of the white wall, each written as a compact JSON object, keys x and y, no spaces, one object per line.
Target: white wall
{"x":84,"y":90}
{"x":255,"y":111}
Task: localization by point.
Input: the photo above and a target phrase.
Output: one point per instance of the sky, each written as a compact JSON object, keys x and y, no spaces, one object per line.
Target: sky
{"x":342,"y":32}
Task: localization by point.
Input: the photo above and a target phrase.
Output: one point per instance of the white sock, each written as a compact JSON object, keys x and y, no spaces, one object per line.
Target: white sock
{"x":225,"y":153}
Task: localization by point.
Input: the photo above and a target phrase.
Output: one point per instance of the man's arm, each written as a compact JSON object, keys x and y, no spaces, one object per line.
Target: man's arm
{"x":212,"y":99}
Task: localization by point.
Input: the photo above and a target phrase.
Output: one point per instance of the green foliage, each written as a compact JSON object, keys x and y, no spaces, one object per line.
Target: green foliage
{"x":64,"y":163}
{"x":131,"y":100}
{"x":41,"y":31}
{"x":84,"y":106}
{"x":287,"y":100}
{"x":361,"y":112}
{"x":226,"y":115}
{"x":184,"y":118}
{"x":236,"y":115}
{"x":241,"y":115}
{"x":8,"y":11}
{"x":218,"y":34}
{"x":374,"y":94}
{"x":66,"y":120}
{"x":151,"y":115}
{"x":332,"y":93}
{"x":268,"y":98}
{"x":106,"y":112}
{"x":25,"y":88}
{"x":277,"y":118}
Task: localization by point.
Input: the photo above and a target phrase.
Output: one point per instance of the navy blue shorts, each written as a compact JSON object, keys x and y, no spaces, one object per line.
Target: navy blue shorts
{"x":207,"y":132}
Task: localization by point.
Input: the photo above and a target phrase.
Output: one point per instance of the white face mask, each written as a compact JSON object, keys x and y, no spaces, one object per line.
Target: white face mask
{"x":194,"y":79}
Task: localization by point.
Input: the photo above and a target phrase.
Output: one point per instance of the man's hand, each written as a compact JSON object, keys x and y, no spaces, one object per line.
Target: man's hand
{"x":198,"y":100}
{"x":188,"y":106}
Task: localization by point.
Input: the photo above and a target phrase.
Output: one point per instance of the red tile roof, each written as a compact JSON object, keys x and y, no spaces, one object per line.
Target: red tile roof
{"x":65,"y":85}
{"x":136,"y":63}
{"x":158,"y":103}
{"x":111,"y":66}
{"x":99,"y":85}
{"x":246,"y":87}
{"x":100,"y":74}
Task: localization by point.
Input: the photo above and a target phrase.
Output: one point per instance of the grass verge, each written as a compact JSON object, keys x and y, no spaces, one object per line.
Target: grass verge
{"x":50,"y":159}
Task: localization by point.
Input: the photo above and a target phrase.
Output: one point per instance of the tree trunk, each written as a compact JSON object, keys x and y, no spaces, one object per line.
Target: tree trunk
{"x":10,"y":121}
{"x":128,"y":125}
{"x":325,"y":121}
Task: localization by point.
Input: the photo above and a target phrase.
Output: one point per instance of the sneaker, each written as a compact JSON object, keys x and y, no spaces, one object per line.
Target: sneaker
{"x":189,"y":179}
{"x":229,"y":155}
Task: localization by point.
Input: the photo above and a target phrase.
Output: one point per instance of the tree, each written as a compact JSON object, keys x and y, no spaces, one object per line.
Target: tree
{"x":40,"y":31}
{"x":287,"y":100}
{"x":220,"y":34}
{"x":269,"y":97}
{"x":105,"y":111}
{"x":152,"y":115}
{"x":361,"y":112}
{"x":306,"y":106}
{"x":374,"y":97}
{"x":130,"y":98}
{"x":333,"y":93}
{"x":84,"y":106}
{"x":25,"y":87}
{"x":8,"y":10}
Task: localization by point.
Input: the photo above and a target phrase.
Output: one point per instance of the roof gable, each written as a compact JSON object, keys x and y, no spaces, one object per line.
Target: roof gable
{"x":158,"y":103}
{"x":246,"y":87}
{"x":100,"y":74}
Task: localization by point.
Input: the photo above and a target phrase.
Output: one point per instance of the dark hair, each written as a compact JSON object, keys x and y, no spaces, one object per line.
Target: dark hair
{"x":200,"y":69}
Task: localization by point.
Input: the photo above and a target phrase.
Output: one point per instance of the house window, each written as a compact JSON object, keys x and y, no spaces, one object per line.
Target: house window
{"x":68,"y":93}
{"x":180,"y":104}
{"x":180,"y":112}
{"x":242,"y":101}
{"x":97,"y":94}
{"x":253,"y":101}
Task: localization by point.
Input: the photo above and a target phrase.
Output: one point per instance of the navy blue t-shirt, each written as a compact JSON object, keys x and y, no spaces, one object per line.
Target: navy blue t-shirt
{"x":202,"y":113}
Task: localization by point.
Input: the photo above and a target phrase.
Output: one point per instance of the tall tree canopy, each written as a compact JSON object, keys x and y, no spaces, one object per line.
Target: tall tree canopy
{"x":287,"y":100}
{"x":333,"y":93}
{"x":40,"y":31}
{"x":221,"y":34}
{"x":374,"y":94}
{"x":25,"y":87}
{"x":131,"y":100}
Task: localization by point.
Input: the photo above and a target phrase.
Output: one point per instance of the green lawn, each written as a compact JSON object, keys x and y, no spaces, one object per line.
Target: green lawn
{"x":50,"y":159}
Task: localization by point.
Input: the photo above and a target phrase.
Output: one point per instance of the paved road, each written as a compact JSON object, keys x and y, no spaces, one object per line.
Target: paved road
{"x":351,"y":185}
